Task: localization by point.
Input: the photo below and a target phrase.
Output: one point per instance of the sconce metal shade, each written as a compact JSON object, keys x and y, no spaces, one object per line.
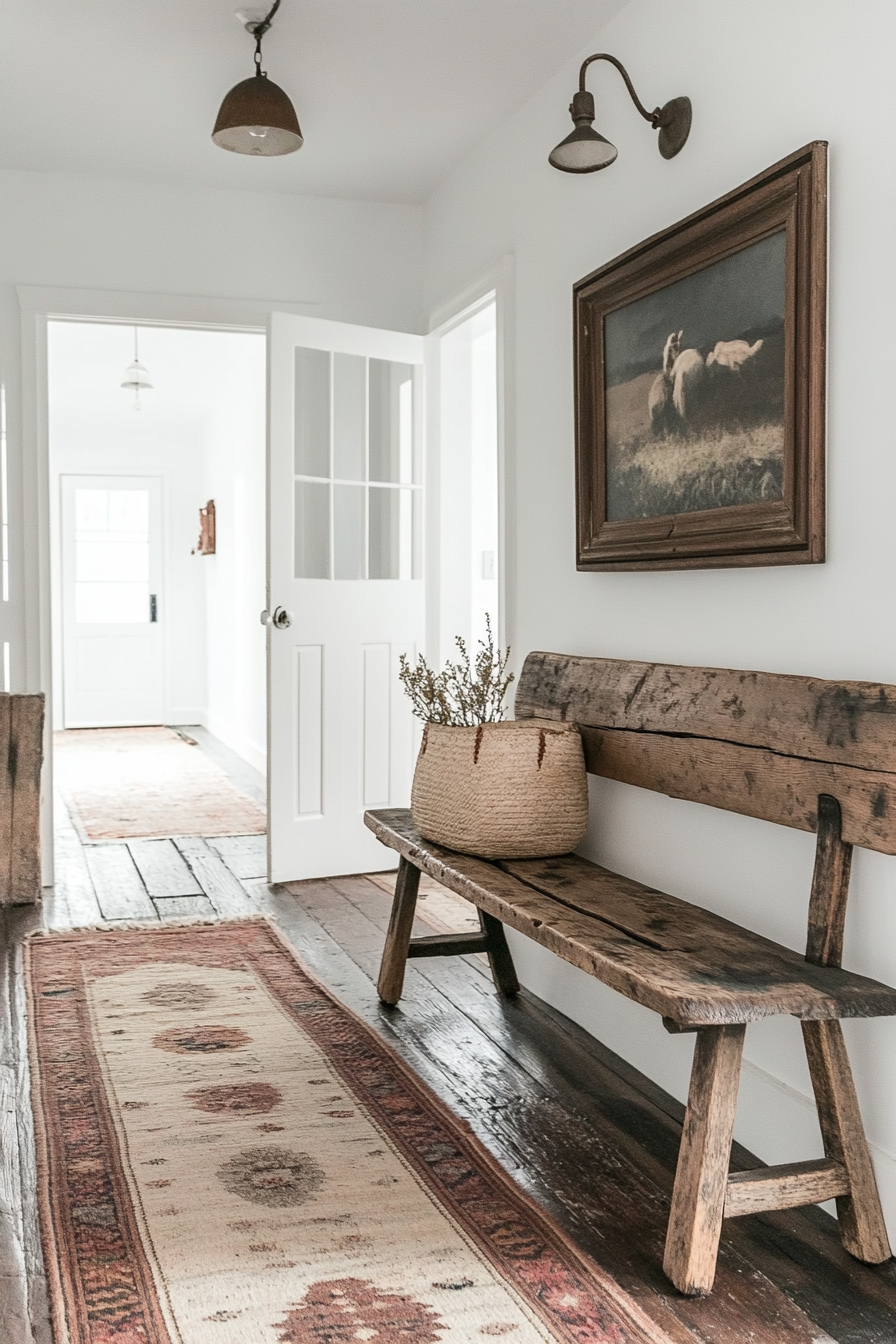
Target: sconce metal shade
{"x":257,"y":117}
{"x":583,"y":150}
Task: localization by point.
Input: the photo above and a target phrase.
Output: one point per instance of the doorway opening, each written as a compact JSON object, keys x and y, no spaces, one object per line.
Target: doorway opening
{"x":468,"y":531}
{"x":124,"y":488}
{"x":159,"y":680}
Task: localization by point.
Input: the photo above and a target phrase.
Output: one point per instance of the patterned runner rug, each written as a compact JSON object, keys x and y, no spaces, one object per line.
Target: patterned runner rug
{"x":121,"y":783}
{"x":226,"y":1155}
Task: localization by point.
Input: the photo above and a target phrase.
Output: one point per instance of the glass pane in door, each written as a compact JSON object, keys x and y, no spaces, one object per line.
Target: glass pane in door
{"x":312,"y":530}
{"x":111,"y":557}
{"x":391,"y":401}
{"x":349,"y":417}
{"x":348,"y":531}
{"x":393,"y":529}
{"x":312,"y":413}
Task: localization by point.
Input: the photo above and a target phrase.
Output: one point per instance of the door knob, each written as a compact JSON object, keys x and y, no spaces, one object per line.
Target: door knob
{"x":280,"y":619}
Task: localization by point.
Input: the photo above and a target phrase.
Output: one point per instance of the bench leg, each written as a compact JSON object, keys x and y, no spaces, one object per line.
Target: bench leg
{"x":498,"y":953}
{"x":862,"y":1227}
{"x":698,"y":1200}
{"x":398,"y":938}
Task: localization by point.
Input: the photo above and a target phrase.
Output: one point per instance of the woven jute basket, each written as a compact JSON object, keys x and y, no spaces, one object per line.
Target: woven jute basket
{"x":514,"y":790}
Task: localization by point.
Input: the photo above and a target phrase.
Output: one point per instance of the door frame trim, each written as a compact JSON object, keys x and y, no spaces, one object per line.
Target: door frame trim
{"x":498,"y":281}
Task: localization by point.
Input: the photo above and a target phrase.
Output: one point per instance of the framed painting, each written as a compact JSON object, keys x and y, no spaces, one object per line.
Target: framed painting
{"x":700,"y":393}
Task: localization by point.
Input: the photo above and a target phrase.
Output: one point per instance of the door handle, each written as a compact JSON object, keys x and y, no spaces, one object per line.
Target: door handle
{"x":153,"y":609}
{"x":280,"y":619}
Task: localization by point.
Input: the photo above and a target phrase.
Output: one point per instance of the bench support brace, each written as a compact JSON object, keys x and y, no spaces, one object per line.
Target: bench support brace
{"x":400,"y":946}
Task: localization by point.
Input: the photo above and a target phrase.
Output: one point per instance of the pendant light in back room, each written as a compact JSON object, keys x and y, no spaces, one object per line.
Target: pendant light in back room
{"x":257,"y":117}
{"x":136,"y":377}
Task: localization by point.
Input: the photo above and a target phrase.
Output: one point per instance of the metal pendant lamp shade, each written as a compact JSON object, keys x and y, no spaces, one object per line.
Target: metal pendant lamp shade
{"x":257,"y":117}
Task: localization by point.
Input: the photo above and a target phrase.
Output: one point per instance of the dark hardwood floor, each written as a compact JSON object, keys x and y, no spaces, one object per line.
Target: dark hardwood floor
{"x":591,"y":1139}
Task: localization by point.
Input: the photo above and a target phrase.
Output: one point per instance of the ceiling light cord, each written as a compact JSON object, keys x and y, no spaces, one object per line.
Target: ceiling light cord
{"x":258,"y":31}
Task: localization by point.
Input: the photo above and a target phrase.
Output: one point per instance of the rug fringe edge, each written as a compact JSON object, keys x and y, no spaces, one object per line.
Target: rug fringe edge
{"x":144,"y":926}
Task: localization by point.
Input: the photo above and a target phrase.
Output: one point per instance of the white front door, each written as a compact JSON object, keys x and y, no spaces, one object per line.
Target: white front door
{"x":345,"y":587}
{"x":111,"y":592}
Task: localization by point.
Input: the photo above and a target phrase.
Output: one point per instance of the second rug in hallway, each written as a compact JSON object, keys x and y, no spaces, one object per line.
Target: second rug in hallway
{"x":120,"y":783}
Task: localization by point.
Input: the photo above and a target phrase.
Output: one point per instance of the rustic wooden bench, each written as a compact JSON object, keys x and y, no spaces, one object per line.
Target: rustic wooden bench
{"x":816,"y":755}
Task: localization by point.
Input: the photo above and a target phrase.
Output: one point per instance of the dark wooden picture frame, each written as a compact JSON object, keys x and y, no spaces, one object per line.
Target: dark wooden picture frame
{"x":768,"y":237}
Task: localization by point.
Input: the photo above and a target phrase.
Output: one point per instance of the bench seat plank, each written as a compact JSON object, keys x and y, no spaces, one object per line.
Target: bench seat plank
{"x":689,"y":965}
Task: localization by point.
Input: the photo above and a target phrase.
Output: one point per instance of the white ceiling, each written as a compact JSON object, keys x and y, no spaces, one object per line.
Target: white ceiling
{"x":87,"y":362}
{"x":390,"y":94}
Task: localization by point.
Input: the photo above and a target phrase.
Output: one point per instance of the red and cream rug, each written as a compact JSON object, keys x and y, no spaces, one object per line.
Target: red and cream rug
{"x":121,"y":783}
{"x":226,"y":1155}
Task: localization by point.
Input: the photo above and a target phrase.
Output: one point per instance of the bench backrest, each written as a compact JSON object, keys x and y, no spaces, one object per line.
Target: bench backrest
{"x":758,"y":743}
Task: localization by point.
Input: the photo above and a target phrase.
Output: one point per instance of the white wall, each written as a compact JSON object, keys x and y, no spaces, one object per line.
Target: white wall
{"x":235,"y":576}
{"x":352,"y":260}
{"x":765,"y":79}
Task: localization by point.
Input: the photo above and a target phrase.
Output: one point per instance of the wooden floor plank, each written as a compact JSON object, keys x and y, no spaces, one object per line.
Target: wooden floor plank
{"x":119,"y":888}
{"x":245,"y":855}
{"x":163,"y":869}
{"x":184,"y":907}
{"x":225,"y":891}
{"x":73,"y":892}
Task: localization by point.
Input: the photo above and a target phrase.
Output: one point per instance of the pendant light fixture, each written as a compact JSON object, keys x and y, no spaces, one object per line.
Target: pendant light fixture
{"x":585,"y":151}
{"x":256,"y":117}
{"x":136,"y":378}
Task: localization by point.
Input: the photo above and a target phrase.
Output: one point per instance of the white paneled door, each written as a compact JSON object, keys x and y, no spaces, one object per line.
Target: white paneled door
{"x":345,"y":587}
{"x":111,"y":586}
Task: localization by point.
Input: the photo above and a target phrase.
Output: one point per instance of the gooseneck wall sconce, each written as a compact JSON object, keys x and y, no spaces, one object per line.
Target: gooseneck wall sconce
{"x":585,"y":151}
{"x":257,"y":117}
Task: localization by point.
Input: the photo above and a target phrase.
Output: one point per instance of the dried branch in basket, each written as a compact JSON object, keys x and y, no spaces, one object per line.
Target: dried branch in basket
{"x":464,"y":693}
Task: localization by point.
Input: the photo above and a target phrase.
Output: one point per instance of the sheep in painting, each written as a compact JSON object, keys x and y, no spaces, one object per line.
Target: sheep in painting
{"x":687,"y":374}
{"x":733,"y":354}
{"x":659,"y":399}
